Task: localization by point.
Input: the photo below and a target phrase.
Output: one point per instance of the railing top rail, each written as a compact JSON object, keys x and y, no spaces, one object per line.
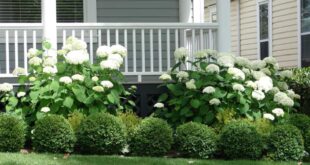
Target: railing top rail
{"x":25,"y":26}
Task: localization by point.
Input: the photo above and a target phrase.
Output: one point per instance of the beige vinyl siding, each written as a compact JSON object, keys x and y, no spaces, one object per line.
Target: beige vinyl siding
{"x":234,"y":26}
{"x":208,"y":5}
{"x":285,"y":32}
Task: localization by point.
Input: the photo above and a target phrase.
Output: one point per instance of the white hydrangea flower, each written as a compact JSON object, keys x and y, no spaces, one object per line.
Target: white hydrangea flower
{"x":246,"y":71}
{"x":65,"y":80}
{"x":71,"y":40}
{"x":208,"y":90}
{"x":268,"y":116}
{"x":282,"y":99}
{"x":182,"y":75}
{"x":6,"y":87}
{"x":251,"y":84}
{"x":266,"y":71}
{"x":119,"y":49}
{"x":258,"y":74}
{"x":79,"y":45}
{"x":226,"y":60}
{"x":104,"y":51}
{"x":274,"y":90}
{"x":276,"y":66}
{"x":107,"y":84}
{"x":181,"y":53}
{"x":201,"y":54}
{"x":50,"y":54}
{"x":212,"y":68}
{"x":236,"y":73}
{"x":165,"y":77}
{"x":258,"y":95}
{"x":62,"y":52}
{"x":49,"y":61}
{"x":32,"y":79}
{"x":214,"y":101}
{"x":286,"y":74}
{"x":98,"y":88}
{"x":95,"y":78}
{"x":278,"y":112}
{"x":76,"y":57}
{"x":21,"y":94}
{"x":238,"y":87}
{"x":35,"y":61}
{"x":108,"y":64}
{"x":32,"y":52}
{"x":290,"y":93}
{"x":264,"y":84}
{"x":19,"y":71}
{"x":283,"y":86}
{"x":50,"y":70}
{"x":270,"y":60}
{"x":78,"y":77}
{"x":45,"y":109}
{"x":212,"y":53}
{"x":258,"y":64}
{"x":190,"y":84}
{"x":243,"y":62}
{"x":117,"y":58}
{"x":159,"y":105}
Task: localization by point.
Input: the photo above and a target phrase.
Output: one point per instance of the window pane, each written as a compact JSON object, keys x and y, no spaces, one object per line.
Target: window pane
{"x":305,"y":50}
{"x":264,"y":50}
{"x":305,"y":15}
{"x":70,"y":11}
{"x":263,"y":21}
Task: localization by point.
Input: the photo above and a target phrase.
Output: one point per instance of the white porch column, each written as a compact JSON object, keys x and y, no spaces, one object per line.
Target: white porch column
{"x":185,"y":11}
{"x":49,"y":21}
{"x":198,"y":11}
{"x":223,"y":18}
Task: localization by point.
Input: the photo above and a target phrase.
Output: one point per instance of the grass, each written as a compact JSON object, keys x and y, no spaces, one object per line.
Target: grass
{"x":51,"y":159}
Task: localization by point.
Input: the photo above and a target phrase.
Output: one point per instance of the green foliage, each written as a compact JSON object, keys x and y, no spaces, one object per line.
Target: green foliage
{"x":220,"y":81}
{"x":153,"y":137}
{"x":131,"y":121}
{"x":196,"y":140}
{"x":75,"y":118}
{"x":301,"y":121}
{"x":307,"y":141}
{"x":240,"y":139}
{"x":101,"y":133}
{"x":264,"y":127}
{"x":53,"y":133}
{"x":285,"y":143}
{"x":12,"y":133}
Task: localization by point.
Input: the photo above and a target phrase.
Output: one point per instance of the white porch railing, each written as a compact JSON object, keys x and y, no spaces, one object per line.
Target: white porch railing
{"x":150,"y":45}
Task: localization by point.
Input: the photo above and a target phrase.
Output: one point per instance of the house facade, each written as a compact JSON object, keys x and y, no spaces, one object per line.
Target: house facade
{"x":278,"y":28}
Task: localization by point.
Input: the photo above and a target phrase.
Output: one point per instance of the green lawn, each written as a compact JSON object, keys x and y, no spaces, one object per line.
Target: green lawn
{"x":50,"y":159}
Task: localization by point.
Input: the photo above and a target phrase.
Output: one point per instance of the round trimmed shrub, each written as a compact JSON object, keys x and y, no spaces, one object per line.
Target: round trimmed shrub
{"x":12,"y":133}
{"x":307,"y":141}
{"x":101,"y":133}
{"x":131,"y":121}
{"x":301,"y":121}
{"x":285,"y":143}
{"x":240,"y":139}
{"x":196,"y":140}
{"x":53,"y":133}
{"x":153,"y":137}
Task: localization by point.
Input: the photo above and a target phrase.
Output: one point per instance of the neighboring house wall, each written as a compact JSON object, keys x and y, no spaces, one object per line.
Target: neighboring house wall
{"x":284,"y":30}
{"x":209,"y":6}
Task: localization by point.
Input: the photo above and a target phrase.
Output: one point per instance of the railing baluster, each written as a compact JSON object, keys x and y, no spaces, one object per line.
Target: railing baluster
{"x":91,"y":46}
{"x":73,"y":33}
{"x":82,"y":35}
{"x":7,"y":52}
{"x":159,"y":51}
{"x":99,"y":37}
{"x":108,"y":37}
{"x":201,"y":39}
{"x":134,"y":50}
{"x":25,"y":51}
{"x":193,"y":45}
{"x":126,"y":46}
{"x":184,"y":38}
{"x":34,"y":39}
{"x":168,"y":49}
{"x":143,"y":50}
{"x":151,"y":50}
{"x":64,"y":37}
{"x":116,"y":36}
{"x":210,"y":39}
{"x":16,"y":48}
{"x":176,"y":33}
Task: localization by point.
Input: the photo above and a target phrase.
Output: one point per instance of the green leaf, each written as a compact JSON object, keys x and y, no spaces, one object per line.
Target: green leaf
{"x":34,"y":95}
{"x":13,"y":101}
{"x":46,"y":45}
{"x":61,"y":67}
{"x":244,"y":108}
{"x":111,"y":98}
{"x":210,"y":117}
{"x":184,"y":111}
{"x":79,"y":92}
{"x":198,"y":119}
{"x":195,"y":103}
{"x":163,"y":97}
{"x":54,"y":86}
{"x":175,"y":89}
{"x":68,"y":102}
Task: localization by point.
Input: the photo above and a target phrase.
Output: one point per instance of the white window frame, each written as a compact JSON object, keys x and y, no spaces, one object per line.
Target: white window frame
{"x":300,"y":34}
{"x":258,"y":3}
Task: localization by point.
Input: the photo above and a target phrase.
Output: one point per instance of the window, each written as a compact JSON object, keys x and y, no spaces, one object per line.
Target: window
{"x":305,"y":32}
{"x":263,"y":23}
{"x":29,"y":11}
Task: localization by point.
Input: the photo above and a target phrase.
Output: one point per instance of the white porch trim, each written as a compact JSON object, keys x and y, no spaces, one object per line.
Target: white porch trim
{"x":49,"y":20}
{"x":223,"y":18}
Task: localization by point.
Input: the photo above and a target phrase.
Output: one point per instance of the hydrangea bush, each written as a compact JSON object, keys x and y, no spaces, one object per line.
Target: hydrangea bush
{"x":219,"y":81}
{"x":65,"y":80}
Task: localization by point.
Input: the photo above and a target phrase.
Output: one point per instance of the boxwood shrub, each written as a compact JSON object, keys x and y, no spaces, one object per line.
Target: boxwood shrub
{"x":131,"y":121}
{"x":12,"y":133}
{"x":301,"y":121}
{"x":101,"y":133}
{"x":53,"y":133}
{"x":307,"y":141}
{"x":240,"y":139}
{"x":153,"y":137}
{"x":285,"y":143}
{"x":196,"y":140}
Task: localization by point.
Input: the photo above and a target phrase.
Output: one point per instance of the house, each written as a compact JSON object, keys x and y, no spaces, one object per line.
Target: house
{"x":278,"y":28}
